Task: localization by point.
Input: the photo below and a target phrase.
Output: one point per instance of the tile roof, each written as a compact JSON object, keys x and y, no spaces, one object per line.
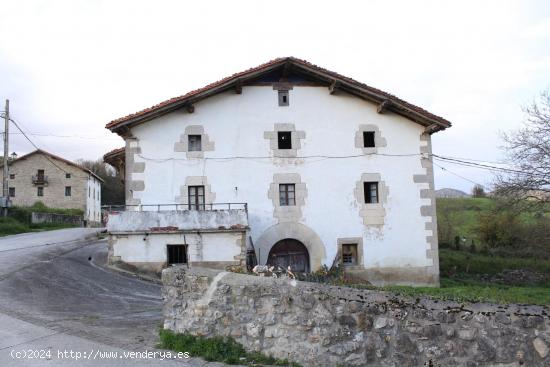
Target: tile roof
{"x":373,"y":92}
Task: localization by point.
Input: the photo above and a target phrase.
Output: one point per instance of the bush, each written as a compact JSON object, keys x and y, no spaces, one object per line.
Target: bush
{"x":11,"y":226}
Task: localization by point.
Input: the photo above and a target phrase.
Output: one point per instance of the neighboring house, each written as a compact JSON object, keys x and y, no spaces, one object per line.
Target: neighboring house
{"x":56,"y":182}
{"x":331,"y":170}
{"x":451,"y":193}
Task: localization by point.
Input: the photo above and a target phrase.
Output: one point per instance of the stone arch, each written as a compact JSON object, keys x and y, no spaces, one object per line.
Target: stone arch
{"x":293,"y":230}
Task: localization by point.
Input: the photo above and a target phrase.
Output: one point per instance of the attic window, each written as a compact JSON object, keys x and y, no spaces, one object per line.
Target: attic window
{"x":284,"y":140}
{"x":194,"y":142}
{"x":283,"y":98}
{"x":368,"y":139}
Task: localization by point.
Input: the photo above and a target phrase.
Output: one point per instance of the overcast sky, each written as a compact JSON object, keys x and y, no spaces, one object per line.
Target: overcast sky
{"x":69,"y":67}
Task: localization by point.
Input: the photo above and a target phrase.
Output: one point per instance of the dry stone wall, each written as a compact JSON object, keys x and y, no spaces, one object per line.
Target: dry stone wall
{"x":320,"y":325}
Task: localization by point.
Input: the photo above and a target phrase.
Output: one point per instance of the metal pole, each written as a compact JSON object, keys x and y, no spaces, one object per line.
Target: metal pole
{"x":5,"y":189}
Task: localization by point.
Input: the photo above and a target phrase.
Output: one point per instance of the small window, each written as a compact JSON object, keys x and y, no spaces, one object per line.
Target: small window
{"x":283,"y":98}
{"x":368,"y":139}
{"x":287,"y":195}
{"x":349,"y":254}
{"x":67,"y":191}
{"x":196,"y":197}
{"x":177,"y":254}
{"x":40,"y":191}
{"x":12,"y":192}
{"x":12,"y":176}
{"x":40,"y":173}
{"x":284,"y":139}
{"x":371,"y":192}
{"x":194,"y":142}
{"x":67,"y":175}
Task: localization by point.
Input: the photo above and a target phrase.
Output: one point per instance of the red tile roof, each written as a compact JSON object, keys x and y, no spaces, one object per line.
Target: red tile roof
{"x":395,"y":102}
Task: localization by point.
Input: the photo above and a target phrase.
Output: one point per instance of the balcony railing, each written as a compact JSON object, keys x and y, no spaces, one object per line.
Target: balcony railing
{"x":174,"y":207}
{"x":39,"y":179}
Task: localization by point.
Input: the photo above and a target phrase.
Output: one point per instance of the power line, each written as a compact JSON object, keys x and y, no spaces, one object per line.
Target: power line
{"x":457,"y":175}
{"x":34,"y":145}
{"x":66,"y":136}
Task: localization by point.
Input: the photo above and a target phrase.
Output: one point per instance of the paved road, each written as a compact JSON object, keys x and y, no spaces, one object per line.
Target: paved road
{"x":55,"y":293}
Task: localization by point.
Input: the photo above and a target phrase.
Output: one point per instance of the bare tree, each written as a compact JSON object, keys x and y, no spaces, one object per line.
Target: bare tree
{"x":528,"y":150}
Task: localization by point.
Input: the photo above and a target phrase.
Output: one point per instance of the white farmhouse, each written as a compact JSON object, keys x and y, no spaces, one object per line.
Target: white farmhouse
{"x":313,"y":167}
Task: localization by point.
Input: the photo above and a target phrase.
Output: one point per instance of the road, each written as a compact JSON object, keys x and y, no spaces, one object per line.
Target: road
{"x":56,"y":293}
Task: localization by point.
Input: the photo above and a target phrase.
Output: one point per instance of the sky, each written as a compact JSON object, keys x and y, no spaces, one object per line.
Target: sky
{"x":70,"y":67}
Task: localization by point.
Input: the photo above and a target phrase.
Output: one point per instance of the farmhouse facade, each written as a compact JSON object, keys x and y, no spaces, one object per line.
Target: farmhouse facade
{"x":40,"y":176}
{"x":301,"y":165}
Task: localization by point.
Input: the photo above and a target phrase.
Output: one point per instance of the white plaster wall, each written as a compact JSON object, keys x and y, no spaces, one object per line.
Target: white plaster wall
{"x":221,"y":246}
{"x":93,"y":199}
{"x":236,"y":123}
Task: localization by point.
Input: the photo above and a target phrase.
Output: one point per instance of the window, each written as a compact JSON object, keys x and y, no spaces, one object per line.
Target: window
{"x":67,"y":191}
{"x":12,"y":192}
{"x":368,"y":139}
{"x":371,"y":192}
{"x":284,"y":139}
{"x":12,"y":176}
{"x":196,"y":197}
{"x":349,"y":254}
{"x":40,"y":191}
{"x":283,"y":98}
{"x":177,"y":254}
{"x":67,"y":175}
{"x":287,"y":195}
{"x":194,"y":143}
{"x":40,"y":173}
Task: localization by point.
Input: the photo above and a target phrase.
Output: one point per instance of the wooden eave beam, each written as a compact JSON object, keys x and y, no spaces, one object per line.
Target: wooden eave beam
{"x":287,"y":68}
{"x":383,"y":107}
{"x":190,"y":108}
{"x":333,"y":87}
{"x":239,"y":87}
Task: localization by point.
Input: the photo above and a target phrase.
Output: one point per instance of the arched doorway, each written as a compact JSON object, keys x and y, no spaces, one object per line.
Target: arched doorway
{"x":290,"y":252}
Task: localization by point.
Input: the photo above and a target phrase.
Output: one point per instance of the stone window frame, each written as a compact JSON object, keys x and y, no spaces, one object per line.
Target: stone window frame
{"x":372,"y":214}
{"x":347,"y":241}
{"x":295,"y":138}
{"x":183,"y":198}
{"x":283,"y":97}
{"x":379,"y":140}
{"x":287,"y":213}
{"x":183,"y":144}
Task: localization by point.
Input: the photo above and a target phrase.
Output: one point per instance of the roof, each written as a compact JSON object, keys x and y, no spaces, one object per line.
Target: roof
{"x":40,"y":151}
{"x":386,"y":100}
{"x":115,"y":153}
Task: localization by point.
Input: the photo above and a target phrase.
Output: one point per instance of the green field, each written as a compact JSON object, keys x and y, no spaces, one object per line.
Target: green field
{"x":466,"y":261}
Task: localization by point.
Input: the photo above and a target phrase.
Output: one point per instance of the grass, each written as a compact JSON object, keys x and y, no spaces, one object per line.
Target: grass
{"x":453,"y":262}
{"x":471,"y":291}
{"x":459,"y":283}
{"x":219,"y":349}
{"x":11,"y":226}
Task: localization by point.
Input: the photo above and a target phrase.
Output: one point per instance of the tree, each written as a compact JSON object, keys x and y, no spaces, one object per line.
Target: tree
{"x":528,"y":150}
{"x":112,"y":189}
{"x":478,"y":191}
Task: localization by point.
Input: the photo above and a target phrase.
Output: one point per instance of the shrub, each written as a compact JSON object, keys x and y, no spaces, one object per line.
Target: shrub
{"x":11,"y":226}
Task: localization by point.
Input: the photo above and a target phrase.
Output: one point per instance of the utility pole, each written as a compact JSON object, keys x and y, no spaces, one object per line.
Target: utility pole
{"x":5,"y":189}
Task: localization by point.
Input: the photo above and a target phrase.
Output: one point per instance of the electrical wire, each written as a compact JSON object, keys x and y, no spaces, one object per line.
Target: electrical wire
{"x":457,"y":175}
{"x":67,"y":136}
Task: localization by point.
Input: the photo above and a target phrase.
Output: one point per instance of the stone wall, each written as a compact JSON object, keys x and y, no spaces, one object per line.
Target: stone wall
{"x":56,"y":218}
{"x":319,"y":325}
